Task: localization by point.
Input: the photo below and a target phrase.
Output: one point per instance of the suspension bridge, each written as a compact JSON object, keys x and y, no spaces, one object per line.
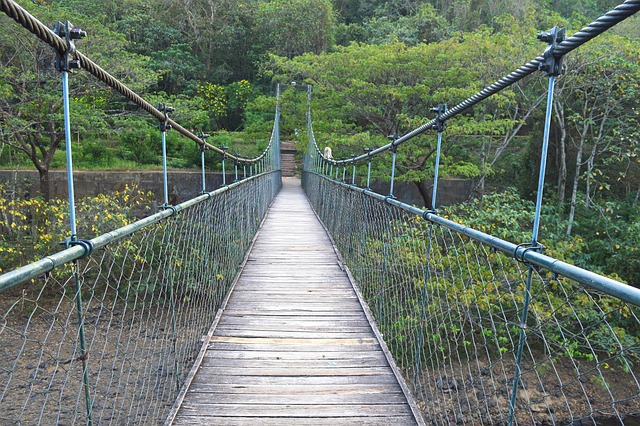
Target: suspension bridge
{"x":263,"y":302}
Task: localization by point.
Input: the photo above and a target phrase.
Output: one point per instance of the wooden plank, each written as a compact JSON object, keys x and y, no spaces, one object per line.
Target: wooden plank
{"x":317,"y":323}
{"x":294,"y":312}
{"x":354,"y":356}
{"x":295,"y":380}
{"x":211,"y":361}
{"x":306,"y":389}
{"x":286,"y":371}
{"x":297,"y":399}
{"x":278,"y":333}
{"x":294,"y":421}
{"x":312,"y":411}
{"x":293,"y":341}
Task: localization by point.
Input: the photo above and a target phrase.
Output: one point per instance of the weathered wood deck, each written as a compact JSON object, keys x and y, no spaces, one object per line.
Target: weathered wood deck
{"x":294,"y":345}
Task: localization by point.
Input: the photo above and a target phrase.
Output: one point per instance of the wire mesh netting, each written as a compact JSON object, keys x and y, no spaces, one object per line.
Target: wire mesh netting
{"x":148,"y":302}
{"x":449,"y":309}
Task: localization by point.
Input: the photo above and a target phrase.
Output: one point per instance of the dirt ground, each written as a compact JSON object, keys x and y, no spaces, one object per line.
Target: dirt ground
{"x":549,"y":394}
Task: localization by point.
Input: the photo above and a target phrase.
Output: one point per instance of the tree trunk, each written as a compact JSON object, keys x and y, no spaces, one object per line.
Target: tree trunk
{"x":425,"y":192}
{"x":562,"y":151}
{"x":45,"y":189}
{"x":574,"y":190}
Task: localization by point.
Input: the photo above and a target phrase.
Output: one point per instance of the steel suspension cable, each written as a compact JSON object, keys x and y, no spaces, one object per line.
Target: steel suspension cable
{"x":44,"y":33}
{"x":597,"y":27}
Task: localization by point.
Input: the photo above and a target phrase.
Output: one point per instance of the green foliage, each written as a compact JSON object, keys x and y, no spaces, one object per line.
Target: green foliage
{"x":482,"y":288}
{"x":423,"y":26}
{"x":226,"y":104}
{"x":293,"y":27}
{"x":179,"y":69}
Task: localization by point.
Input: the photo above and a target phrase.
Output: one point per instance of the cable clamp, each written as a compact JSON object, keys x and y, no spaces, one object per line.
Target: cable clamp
{"x":164,"y":123}
{"x":537,"y":247}
{"x":174,"y":211}
{"x":440,"y":124}
{"x":552,"y":63}
{"x":66,"y":31}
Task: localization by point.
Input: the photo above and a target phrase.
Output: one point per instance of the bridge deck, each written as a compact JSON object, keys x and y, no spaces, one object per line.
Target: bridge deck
{"x":294,"y":345}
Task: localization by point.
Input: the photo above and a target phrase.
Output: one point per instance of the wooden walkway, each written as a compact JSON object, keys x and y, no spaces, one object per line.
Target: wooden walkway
{"x":294,"y":346}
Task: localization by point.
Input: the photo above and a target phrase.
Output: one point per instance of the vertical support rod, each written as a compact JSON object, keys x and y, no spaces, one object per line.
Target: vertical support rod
{"x":244,"y":170}
{"x":394,"y":149}
{"x":435,"y":173}
{"x":74,"y":237}
{"x":224,"y":173}
{"x":165,"y":184}
{"x":67,"y":138}
{"x":204,"y":182}
{"x":353,"y":175}
{"x":439,"y":126}
{"x":534,"y":242}
{"x":344,"y":172}
{"x":543,"y":161}
{"x":235,"y":164}
{"x":369,"y":174}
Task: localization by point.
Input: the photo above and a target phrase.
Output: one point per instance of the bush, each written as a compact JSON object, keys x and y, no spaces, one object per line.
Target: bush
{"x":32,"y":228}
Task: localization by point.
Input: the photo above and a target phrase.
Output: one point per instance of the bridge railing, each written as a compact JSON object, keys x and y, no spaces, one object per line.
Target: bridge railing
{"x":486,"y":331}
{"x":448,"y":301}
{"x":148,"y":294}
{"x":107,"y":330}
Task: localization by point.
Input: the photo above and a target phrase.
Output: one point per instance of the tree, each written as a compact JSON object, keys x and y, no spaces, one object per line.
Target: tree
{"x":596,"y":109}
{"x":294,"y":27}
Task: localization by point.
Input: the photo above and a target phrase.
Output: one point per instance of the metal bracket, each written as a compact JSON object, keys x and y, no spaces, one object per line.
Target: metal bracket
{"x":85,"y":244}
{"x":537,"y":247}
{"x":165,"y":110}
{"x":204,"y":137}
{"x":440,"y":125}
{"x":428,"y":212}
{"x":552,"y":64}
{"x":173,"y":209}
{"x":66,"y":31}
{"x":368,"y":152}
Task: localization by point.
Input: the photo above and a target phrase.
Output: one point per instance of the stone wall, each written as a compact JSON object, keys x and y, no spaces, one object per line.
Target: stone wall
{"x":450,"y":191}
{"x":184,"y":185}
